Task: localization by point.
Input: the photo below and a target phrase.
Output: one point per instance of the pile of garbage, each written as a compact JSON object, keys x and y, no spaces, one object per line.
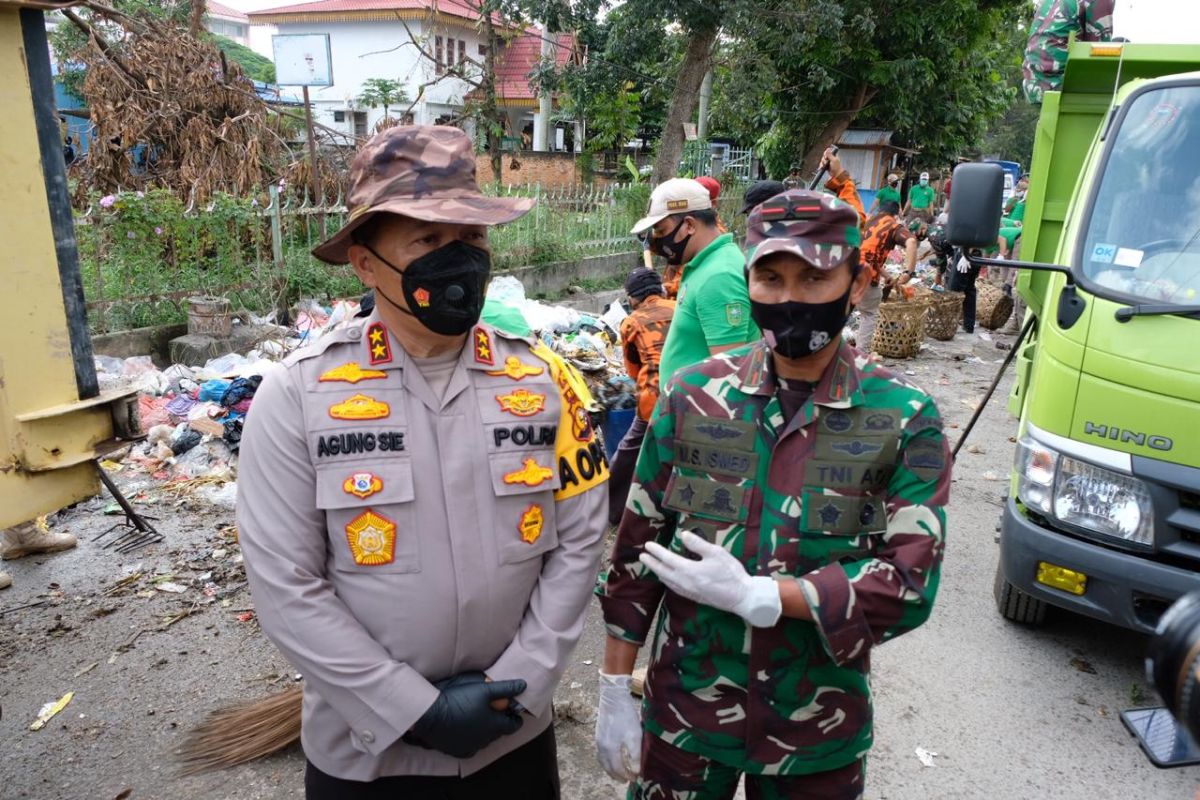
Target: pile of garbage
{"x":193,"y":415}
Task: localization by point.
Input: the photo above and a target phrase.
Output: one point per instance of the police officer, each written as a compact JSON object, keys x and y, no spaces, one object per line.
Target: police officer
{"x":810,"y":482}
{"x":421,"y":503}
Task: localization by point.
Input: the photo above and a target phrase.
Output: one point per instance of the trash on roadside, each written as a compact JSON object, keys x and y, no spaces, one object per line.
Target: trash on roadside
{"x":48,"y":711}
{"x":926,"y":757}
{"x":171,"y":588}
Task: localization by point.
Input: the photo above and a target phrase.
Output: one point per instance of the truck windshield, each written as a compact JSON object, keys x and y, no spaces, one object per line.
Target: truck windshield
{"x":1143,"y":237}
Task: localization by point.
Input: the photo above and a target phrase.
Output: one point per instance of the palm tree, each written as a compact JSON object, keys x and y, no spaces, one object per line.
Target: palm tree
{"x":382,"y":92}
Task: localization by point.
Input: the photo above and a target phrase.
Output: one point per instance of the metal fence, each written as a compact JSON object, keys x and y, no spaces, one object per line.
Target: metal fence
{"x":141,"y":257}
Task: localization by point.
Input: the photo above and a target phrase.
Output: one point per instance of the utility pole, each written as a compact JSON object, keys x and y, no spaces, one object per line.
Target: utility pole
{"x":541,"y":125}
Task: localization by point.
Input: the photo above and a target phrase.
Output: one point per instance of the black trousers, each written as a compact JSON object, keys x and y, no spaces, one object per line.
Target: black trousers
{"x":620,"y":471}
{"x":965,"y":282}
{"x":528,"y":773}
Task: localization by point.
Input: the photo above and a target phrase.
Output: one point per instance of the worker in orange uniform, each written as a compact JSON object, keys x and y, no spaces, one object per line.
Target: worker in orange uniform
{"x":883,"y":233}
{"x":841,"y":184}
{"x":642,"y":335}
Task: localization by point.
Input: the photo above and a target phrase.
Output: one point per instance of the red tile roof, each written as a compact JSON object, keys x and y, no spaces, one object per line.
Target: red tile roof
{"x":454,"y":8}
{"x":216,"y":9}
{"x":521,"y":56}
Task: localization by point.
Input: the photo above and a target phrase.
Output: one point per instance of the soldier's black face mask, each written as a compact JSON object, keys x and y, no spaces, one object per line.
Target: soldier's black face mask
{"x":445,"y":287}
{"x":797,"y":330}
{"x":668,"y":248}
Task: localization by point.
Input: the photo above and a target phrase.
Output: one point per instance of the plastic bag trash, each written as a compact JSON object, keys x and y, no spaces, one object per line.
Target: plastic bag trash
{"x":506,"y":289}
{"x":223,"y":496}
{"x":152,"y":411}
{"x":213,"y":391}
{"x":138,"y":365}
{"x":160,"y":433}
{"x":926,"y":756}
{"x":47,"y":712}
{"x":613,"y":315}
{"x":226,"y":364}
{"x":185,"y":441}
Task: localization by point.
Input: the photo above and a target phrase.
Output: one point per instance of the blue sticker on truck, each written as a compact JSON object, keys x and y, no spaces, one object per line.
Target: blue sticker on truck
{"x":1104,"y":253}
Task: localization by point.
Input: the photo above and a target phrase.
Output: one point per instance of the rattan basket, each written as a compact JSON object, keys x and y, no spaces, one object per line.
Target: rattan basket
{"x":901,"y":328}
{"x":945,"y":312}
{"x":992,"y":306}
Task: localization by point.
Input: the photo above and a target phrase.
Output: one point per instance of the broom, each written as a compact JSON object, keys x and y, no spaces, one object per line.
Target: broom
{"x":243,"y":732}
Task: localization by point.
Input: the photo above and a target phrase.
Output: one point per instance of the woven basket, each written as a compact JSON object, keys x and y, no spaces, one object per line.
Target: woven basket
{"x":945,"y":311}
{"x":901,"y":328}
{"x":992,"y":306}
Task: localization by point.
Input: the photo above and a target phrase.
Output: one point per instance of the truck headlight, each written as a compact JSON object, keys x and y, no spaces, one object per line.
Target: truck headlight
{"x":1036,"y":465}
{"x":1103,"y":501}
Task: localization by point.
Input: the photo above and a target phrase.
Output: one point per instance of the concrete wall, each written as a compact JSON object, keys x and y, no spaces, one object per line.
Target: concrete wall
{"x":553,"y":279}
{"x":139,"y":342}
{"x":548,"y":169}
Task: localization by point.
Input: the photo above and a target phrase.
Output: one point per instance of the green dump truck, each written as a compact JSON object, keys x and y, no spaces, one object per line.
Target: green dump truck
{"x":1103,"y":516}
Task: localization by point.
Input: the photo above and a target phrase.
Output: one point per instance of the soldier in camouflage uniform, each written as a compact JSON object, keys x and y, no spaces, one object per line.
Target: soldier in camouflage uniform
{"x":1055,"y":21}
{"x":811,"y":483}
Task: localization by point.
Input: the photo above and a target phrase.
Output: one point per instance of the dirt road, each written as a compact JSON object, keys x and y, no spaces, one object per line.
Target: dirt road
{"x":1010,"y":712}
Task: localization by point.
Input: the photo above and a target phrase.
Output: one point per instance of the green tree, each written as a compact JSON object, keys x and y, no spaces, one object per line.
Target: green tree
{"x":256,"y":67}
{"x":384,"y":92}
{"x":1010,"y":136}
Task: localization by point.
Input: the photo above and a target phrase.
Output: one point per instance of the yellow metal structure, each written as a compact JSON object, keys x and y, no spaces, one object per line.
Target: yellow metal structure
{"x":48,"y":436}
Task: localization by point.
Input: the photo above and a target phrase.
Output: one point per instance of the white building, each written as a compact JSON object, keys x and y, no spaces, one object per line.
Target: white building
{"x":228,"y":22}
{"x":371,"y":39}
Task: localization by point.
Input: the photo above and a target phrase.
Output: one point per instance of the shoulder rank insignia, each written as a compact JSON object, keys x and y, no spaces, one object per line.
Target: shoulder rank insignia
{"x":522,"y":402}
{"x":379,"y":348}
{"x":514,"y":369}
{"x":360,"y":407}
{"x":530,"y":526}
{"x":483,"y":347}
{"x":531,"y":474}
{"x":363,"y":484}
{"x":372,"y":539}
{"x":351,"y":373}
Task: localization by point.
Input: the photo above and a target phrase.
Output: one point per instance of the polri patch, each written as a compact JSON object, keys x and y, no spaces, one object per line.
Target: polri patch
{"x":483,"y":347}
{"x":379,"y":347}
{"x":363,"y":484}
{"x":372,"y":539}
{"x":525,"y":435}
{"x":514,"y":368}
{"x":531,"y":474}
{"x":351,"y":373}
{"x":360,"y":407}
{"x":522,"y":402}
{"x":531,"y":523}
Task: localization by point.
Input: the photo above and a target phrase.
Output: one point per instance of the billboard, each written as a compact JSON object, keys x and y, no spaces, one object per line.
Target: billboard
{"x":302,"y":59}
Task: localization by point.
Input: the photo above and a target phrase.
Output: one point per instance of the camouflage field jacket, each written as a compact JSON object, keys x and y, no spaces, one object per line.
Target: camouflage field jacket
{"x":847,"y":498}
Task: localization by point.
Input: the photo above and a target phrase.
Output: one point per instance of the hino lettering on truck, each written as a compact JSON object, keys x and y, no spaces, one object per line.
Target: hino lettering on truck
{"x":1116,"y":434}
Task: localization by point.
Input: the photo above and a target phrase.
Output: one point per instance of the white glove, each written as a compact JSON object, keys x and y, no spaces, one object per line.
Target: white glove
{"x":618,"y":729}
{"x":964,"y":266}
{"x":717,"y":579}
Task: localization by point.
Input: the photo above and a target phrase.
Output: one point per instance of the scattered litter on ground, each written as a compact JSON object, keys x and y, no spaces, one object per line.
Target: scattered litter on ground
{"x":926,"y":757}
{"x":1083,"y":666}
{"x":48,"y":711}
{"x":977,"y":449}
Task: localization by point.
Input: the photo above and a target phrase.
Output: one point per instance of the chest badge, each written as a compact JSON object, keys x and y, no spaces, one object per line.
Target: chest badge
{"x":351,"y":373}
{"x":360,"y":407}
{"x":379,"y":348}
{"x":483,"y":347}
{"x":363,"y":484}
{"x":522,"y":402}
{"x":513,"y":368}
{"x":372,"y":539}
{"x":531,"y":474}
{"x":839,"y":421}
{"x":531,"y":524}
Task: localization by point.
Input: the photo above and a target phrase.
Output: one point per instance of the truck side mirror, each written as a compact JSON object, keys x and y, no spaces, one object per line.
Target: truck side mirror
{"x":976,"y":205}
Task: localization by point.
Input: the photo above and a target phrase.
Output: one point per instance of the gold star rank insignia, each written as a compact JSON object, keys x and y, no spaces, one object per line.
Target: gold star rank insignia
{"x":513,"y":368}
{"x":522,"y":402}
{"x":351,"y":373}
{"x":531,"y":474}
{"x":372,"y":539}
{"x":531,"y":523}
{"x":483,"y":347}
{"x":379,"y":348}
{"x":359,"y":407}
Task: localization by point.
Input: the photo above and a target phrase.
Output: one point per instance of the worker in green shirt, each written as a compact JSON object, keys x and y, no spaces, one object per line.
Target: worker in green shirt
{"x":920,"y":200}
{"x":889,"y":193}
{"x":712,"y":312}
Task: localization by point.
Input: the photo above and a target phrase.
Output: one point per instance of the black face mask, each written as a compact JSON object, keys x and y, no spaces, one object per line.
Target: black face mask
{"x":668,"y":248}
{"x":796,"y":330}
{"x":444,"y":288}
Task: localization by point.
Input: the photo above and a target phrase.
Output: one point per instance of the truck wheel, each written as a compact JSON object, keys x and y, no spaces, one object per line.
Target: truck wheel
{"x":1016,"y":606}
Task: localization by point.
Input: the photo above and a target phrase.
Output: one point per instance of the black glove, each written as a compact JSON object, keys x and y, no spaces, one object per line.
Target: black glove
{"x":461,"y":722}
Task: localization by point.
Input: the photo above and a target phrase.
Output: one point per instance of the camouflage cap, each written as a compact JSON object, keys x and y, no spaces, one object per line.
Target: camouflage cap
{"x":817,"y":227}
{"x":425,"y":172}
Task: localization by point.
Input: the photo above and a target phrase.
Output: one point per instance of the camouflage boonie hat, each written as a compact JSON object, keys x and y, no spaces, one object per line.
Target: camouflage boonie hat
{"x":814,"y":226}
{"x":425,"y":172}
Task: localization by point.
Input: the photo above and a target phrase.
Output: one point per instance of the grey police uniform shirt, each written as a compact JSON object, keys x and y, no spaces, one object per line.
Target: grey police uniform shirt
{"x":393,"y":539}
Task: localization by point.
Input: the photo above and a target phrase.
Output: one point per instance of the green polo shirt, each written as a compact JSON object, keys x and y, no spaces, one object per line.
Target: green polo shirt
{"x":713,"y":307}
{"x":921,"y":196}
{"x":888,"y":193}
